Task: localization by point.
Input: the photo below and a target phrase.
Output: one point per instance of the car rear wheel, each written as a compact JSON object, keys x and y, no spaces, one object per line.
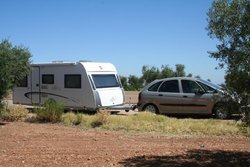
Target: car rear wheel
{"x":221,"y":111}
{"x":151,"y":108}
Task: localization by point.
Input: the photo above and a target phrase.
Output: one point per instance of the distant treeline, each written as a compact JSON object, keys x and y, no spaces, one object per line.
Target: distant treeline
{"x":150,"y":73}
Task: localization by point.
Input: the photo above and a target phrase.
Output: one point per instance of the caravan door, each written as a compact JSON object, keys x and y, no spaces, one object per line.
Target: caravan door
{"x":35,"y":85}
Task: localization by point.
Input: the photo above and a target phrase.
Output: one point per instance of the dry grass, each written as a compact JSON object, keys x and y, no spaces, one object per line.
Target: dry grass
{"x":146,"y":122}
{"x":14,"y":113}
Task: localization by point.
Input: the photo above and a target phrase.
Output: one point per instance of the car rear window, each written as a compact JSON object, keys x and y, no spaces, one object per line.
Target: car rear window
{"x":155,"y":86}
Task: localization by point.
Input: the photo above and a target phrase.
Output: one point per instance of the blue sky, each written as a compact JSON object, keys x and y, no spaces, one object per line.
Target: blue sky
{"x":127,"y":33}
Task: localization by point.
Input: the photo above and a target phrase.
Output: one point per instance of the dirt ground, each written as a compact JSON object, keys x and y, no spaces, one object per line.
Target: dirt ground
{"x":32,"y":144}
{"x":131,"y":97}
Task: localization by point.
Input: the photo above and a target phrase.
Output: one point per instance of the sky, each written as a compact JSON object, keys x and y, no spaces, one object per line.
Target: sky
{"x":126,"y":33}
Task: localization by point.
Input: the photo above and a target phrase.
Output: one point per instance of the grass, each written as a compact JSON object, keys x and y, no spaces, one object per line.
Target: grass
{"x":50,"y":112}
{"x":14,"y":113}
{"x":145,"y":122}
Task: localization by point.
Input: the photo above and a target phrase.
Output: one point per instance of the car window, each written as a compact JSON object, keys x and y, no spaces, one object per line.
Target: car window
{"x":207,"y":88}
{"x":155,"y":86}
{"x":190,"y":86}
{"x":170,"y":86}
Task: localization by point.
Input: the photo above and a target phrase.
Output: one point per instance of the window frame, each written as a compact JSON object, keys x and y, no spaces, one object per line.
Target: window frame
{"x":22,"y":83}
{"x":155,"y":86}
{"x":77,"y":86}
{"x":176,"y":82}
{"x":48,"y":75}
{"x":197,"y":84}
{"x":96,"y":80}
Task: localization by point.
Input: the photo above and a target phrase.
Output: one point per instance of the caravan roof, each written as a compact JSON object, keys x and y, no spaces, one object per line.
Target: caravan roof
{"x":88,"y":65}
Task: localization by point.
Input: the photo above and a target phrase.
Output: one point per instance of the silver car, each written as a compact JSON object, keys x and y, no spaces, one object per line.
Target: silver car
{"x":184,"y":95}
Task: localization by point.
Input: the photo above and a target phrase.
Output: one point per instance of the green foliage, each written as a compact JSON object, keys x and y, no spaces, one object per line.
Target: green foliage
{"x":1,"y":108}
{"x":179,"y":70}
{"x":14,"y":113}
{"x":229,"y":22}
{"x":124,"y":82}
{"x":134,"y":83}
{"x":14,"y":65}
{"x":246,"y":115}
{"x":50,"y":112}
{"x":149,"y":74}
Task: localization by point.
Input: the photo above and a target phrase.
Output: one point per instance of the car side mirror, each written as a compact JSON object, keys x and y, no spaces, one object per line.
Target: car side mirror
{"x":199,"y":92}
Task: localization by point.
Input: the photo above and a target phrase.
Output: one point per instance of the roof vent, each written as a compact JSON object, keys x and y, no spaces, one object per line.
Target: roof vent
{"x":85,"y":61}
{"x":57,"y":61}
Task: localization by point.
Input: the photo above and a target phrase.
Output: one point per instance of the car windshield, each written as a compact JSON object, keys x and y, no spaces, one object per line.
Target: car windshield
{"x":105,"y":81}
{"x":211,"y":84}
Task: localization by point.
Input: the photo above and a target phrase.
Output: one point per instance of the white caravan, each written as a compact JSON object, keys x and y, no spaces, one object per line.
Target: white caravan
{"x":78,"y":85}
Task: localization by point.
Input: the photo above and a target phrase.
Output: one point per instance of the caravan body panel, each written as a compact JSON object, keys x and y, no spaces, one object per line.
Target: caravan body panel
{"x":106,"y":82}
{"x":71,"y":84}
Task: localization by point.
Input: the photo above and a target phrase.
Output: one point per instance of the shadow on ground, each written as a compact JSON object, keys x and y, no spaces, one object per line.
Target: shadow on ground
{"x":193,"y":158}
{"x":2,"y":123}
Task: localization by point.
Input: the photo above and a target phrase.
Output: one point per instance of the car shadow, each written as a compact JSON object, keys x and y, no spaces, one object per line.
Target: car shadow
{"x":192,"y":158}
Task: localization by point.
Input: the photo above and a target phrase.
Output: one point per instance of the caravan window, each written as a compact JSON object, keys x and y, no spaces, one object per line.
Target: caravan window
{"x":72,"y":81}
{"x":23,"y":82}
{"x":105,"y":81}
{"x":48,"y":79}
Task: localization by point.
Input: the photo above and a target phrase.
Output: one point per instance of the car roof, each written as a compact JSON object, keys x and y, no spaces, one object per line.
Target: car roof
{"x":177,"y":78}
{"x":180,"y":78}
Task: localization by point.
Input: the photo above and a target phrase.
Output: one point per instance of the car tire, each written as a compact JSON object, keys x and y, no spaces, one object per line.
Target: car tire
{"x":151,"y":108}
{"x":221,"y":111}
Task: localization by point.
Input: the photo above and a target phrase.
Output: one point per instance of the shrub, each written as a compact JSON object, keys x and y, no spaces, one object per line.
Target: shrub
{"x":1,"y":109}
{"x":101,"y":118}
{"x":70,"y":118}
{"x":246,"y":115}
{"x":50,"y":112}
{"x":14,"y":113}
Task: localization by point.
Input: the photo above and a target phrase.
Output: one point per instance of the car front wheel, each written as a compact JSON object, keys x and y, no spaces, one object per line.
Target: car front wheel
{"x":151,"y":108}
{"x":221,"y":111}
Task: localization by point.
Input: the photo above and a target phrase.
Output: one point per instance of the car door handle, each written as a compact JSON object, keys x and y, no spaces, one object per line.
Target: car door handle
{"x":185,"y":96}
{"x":160,"y":94}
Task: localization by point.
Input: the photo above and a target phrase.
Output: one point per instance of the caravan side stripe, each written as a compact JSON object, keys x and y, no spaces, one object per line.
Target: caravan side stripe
{"x":28,"y":94}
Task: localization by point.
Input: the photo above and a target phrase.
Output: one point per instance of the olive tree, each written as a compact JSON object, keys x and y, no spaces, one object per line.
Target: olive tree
{"x":229,"y":22}
{"x":14,"y":65}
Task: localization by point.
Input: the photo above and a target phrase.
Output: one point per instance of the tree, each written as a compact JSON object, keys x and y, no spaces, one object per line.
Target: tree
{"x":166,"y":71}
{"x":150,"y":73}
{"x":135,"y":83}
{"x":124,"y":82}
{"x":179,"y":70}
{"x":14,"y":65}
{"x":229,"y":22}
